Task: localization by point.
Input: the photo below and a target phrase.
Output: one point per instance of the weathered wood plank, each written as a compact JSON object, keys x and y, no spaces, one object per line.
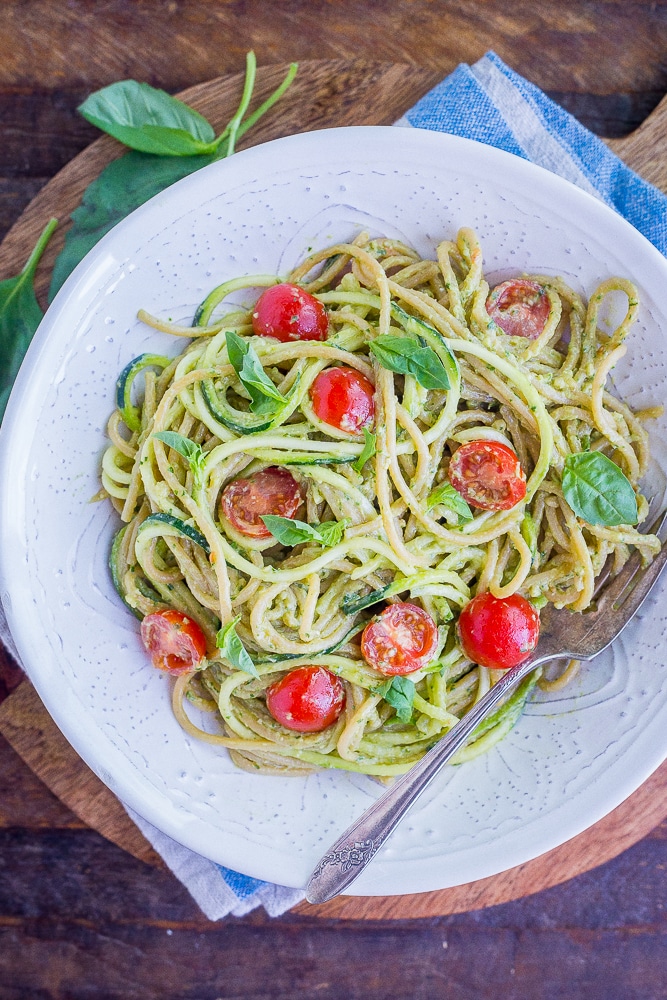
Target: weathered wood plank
{"x":89,"y":921}
{"x":25,"y":801}
{"x":595,"y":47}
{"x":91,"y":879}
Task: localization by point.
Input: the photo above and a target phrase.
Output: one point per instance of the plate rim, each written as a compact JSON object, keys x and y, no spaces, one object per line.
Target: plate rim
{"x":71,"y":290}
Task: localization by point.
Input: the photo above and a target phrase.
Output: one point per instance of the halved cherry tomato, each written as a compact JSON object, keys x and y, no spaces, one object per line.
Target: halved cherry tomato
{"x":286,"y":312}
{"x":520,"y":307}
{"x":498,"y":632}
{"x":271,"y":491}
{"x":343,"y":398}
{"x":488,"y":475}
{"x":402,"y":639}
{"x":176,"y":643}
{"x":307,"y":699}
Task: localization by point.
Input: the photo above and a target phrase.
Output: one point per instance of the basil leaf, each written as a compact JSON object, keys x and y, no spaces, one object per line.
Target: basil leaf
{"x":419,"y":328}
{"x":292,"y":532}
{"x":399,"y":692}
{"x":20,"y":315}
{"x":149,"y":120}
{"x":288,"y":531}
{"x":233,"y":649}
{"x":447,"y":496}
{"x":263,"y":393}
{"x":367,"y":451}
{"x":597,"y":490}
{"x":408,"y":357}
{"x":185,"y":447}
{"x":331,"y":532}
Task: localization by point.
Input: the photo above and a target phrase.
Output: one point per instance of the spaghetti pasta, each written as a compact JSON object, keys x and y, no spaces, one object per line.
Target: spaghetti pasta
{"x":384,"y":522}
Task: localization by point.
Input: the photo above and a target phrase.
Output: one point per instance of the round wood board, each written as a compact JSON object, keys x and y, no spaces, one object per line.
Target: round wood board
{"x":324,"y":95}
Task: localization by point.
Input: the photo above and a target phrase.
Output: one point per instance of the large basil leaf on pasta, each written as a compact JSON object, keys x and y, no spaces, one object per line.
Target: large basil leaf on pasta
{"x":368,"y":450}
{"x":233,"y":650}
{"x":598,"y":491}
{"x":20,"y":315}
{"x":289,"y":531}
{"x":399,"y":692}
{"x":447,"y":496}
{"x":406,"y":356}
{"x":187,"y":448}
{"x":265,"y":398}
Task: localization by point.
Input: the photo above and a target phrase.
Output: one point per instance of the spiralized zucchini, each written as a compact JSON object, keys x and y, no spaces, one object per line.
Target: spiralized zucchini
{"x":544,"y":398}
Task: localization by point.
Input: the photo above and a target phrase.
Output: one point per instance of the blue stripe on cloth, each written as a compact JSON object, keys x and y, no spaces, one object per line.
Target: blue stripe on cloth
{"x":461,"y":106}
{"x":242,"y":885}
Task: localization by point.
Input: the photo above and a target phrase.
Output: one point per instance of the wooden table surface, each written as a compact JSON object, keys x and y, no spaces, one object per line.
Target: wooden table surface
{"x":79,"y":917}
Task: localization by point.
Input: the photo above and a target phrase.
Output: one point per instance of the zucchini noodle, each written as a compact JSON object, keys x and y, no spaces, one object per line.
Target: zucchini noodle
{"x":307,"y":604}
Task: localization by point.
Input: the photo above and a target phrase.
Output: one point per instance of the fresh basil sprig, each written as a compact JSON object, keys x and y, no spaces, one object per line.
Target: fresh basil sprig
{"x":598,"y":491}
{"x":233,"y":650}
{"x":131,"y":180}
{"x":187,"y":448}
{"x":399,"y":692}
{"x":408,"y":357}
{"x":367,"y":451}
{"x":265,"y":398}
{"x":20,"y":315}
{"x":292,"y":532}
{"x":447,"y":496}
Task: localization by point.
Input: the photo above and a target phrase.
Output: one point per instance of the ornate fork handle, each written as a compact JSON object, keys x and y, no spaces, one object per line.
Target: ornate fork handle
{"x":347,"y":858}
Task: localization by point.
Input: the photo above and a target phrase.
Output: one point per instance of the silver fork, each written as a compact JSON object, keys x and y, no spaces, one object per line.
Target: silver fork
{"x":562,"y":634}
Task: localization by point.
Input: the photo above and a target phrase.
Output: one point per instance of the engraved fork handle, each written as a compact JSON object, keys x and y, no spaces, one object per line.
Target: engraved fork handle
{"x":346,"y":859}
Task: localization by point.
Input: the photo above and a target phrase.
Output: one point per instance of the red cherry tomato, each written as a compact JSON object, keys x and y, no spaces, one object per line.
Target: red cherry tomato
{"x":498,"y":632}
{"x":488,"y":475}
{"x":307,"y":699}
{"x":403,"y":639}
{"x":286,"y":312}
{"x":343,"y":398}
{"x":176,"y":643}
{"x":519,"y":307}
{"x":271,"y":491}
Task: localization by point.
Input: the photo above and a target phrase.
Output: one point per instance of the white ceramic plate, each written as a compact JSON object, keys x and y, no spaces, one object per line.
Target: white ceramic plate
{"x":572,"y":757}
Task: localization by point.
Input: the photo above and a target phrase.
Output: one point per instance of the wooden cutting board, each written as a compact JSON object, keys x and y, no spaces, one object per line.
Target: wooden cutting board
{"x":325,"y":94}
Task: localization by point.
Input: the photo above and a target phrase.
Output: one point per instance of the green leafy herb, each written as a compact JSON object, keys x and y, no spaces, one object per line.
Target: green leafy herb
{"x":598,"y":491}
{"x":187,"y":448}
{"x":131,"y":180}
{"x":233,"y":649}
{"x":20,"y":315}
{"x":399,"y":692}
{"x":367,"y":451}
{"x":408,"y":357}
{"x":447,"y":496}
{"x":265,"y":398}
{"x":291,"y":532}
{"x":149,"y":120}
{"x":331,"y":532}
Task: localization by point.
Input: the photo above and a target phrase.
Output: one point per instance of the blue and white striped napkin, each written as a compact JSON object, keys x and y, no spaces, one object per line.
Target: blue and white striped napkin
{"x":492,"y":104}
